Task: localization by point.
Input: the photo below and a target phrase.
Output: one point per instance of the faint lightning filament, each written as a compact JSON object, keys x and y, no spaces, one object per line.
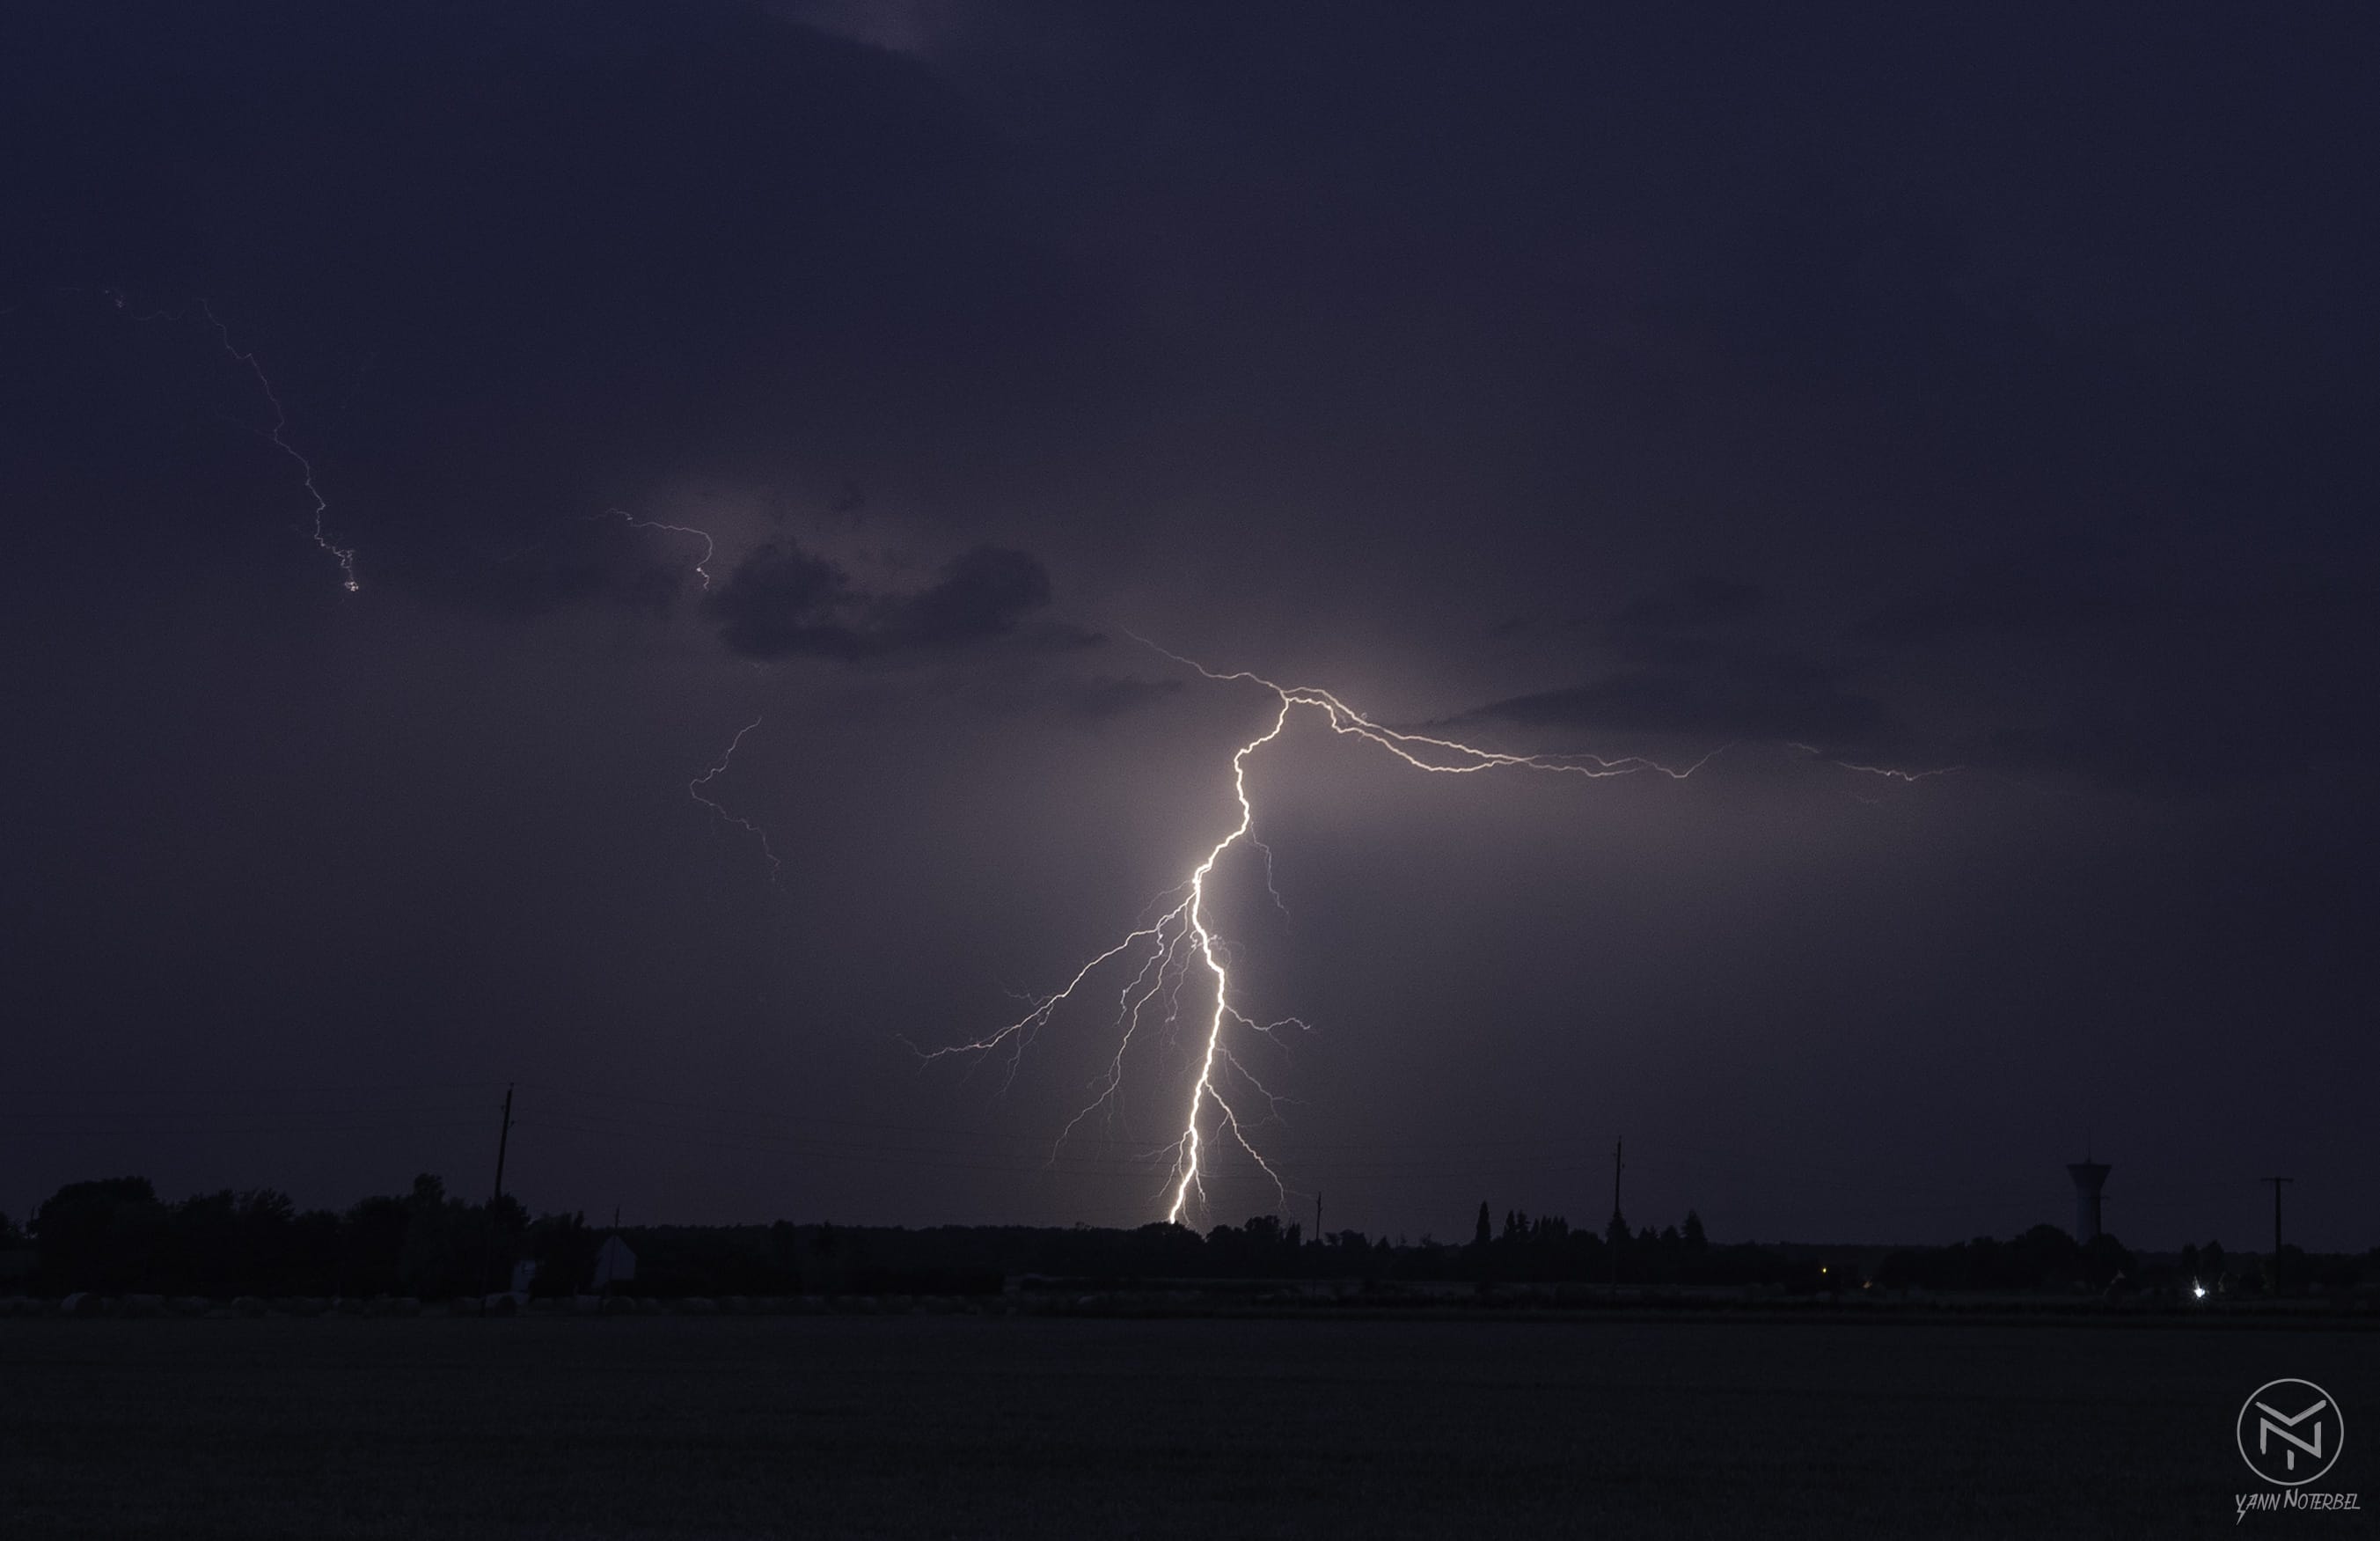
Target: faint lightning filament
{"x":694,"y":789}
{"x":710,"y":546}
{"x":278,"y":437}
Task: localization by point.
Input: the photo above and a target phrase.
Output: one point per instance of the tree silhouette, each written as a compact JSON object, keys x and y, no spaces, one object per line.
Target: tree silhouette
{"x":373,"y":1245}
{"x":99,"y":1235}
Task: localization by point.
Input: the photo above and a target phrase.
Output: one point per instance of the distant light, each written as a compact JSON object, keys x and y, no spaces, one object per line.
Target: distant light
{"x":2197,"y":1291}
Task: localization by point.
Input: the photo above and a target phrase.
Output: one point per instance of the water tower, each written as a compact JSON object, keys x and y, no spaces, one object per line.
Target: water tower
{"x":2089,"y":1177}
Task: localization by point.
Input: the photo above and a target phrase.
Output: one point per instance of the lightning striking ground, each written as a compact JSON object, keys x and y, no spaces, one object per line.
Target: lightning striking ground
{"x":694,"y":789}
{"x":1182,"y":941}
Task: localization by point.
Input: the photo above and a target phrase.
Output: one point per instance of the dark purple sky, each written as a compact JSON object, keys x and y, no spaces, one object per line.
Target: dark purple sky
{"x":1989,"y":390}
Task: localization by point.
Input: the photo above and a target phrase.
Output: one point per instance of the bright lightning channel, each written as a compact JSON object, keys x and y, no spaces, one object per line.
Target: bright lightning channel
{"x":1182,"y":941}
{"x":694,"y":789}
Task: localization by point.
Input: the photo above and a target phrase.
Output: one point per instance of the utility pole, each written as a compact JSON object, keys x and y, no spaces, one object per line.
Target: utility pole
{"x":1318,"y":1217}
{"x":504,"y":1138}
{"x":1618,"y":1165}
{"x":488,"y":1258}
{"x":2276,"y":1182}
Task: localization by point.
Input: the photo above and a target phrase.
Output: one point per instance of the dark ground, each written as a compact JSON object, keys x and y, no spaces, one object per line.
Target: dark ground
{"x":1215,"y":1428}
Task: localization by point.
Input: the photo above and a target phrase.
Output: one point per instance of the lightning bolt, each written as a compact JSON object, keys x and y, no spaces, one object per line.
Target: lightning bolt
{"x":1182,"y":941}
{"x":278,"y":437}
{"x":1886,"y":772}
{"x":710,"y":546}
{"x":694,"y":789}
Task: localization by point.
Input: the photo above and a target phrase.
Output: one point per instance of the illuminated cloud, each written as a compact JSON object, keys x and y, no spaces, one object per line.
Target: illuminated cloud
{"x":783,"y":602}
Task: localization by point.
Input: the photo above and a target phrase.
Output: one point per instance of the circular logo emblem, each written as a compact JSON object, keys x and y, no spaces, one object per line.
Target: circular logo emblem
{"x":2289,"y":1432}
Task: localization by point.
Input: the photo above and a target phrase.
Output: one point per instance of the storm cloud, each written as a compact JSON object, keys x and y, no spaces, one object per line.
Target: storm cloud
{"x":782,"y":601}
{"x":1729,"y":701}
{"x":1988,"y":388}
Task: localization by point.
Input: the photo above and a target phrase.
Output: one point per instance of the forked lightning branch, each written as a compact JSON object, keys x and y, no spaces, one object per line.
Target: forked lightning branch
{"x":1177,"y":962}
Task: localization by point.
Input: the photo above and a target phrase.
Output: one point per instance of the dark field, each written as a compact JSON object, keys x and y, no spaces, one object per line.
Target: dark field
{"x":1215,"y":1428}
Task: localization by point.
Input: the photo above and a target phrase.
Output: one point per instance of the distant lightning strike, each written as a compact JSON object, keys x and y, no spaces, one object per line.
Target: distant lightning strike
{"x":710,"y":546}
{"x":1181,"y":940}
{"x":345,"y":556}
{"x":1887,"y":772}
{"x":278,"y":436}
{"x":694,"y":789}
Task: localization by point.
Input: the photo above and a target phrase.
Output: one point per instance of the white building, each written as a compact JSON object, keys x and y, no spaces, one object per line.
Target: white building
{"x":614,"y":1264}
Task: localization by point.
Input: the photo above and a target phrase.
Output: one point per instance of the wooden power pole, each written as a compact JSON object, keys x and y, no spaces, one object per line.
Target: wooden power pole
{"x":2276,"y":1182}
{"x":1618,"y":1225}
{"x":504,"y":1138}
{"x":487,"y":1259}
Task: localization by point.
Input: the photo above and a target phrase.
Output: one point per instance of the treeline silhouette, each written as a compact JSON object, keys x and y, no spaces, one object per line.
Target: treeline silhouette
{"x":116,"y":1236}
{"x":2045,"y":1256}
{"x":955,"y":1259}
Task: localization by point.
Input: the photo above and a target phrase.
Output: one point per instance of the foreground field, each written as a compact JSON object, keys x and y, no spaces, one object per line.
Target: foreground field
{"x":1031,"y":1426}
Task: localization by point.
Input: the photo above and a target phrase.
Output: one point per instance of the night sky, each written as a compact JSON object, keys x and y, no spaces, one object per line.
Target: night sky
{"x":1987,"y":389}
